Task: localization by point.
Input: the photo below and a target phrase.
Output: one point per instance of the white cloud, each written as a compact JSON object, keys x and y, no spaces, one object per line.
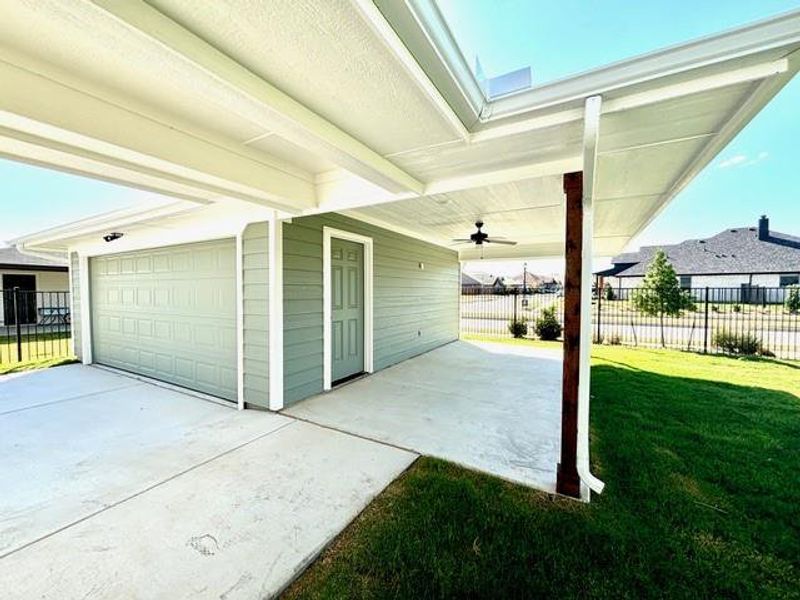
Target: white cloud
{"x":742,"y":160}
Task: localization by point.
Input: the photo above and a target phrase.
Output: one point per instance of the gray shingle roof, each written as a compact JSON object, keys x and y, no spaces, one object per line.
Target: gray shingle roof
{"x":13,"y":257}
{"x":732,"y":251}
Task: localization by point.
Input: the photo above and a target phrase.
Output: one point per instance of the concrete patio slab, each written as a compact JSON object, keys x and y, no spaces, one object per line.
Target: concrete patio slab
{"x":134,"y":490}
{"x":34,"y":388}
{"x":240,"y":526}
{"x":492,"y":407}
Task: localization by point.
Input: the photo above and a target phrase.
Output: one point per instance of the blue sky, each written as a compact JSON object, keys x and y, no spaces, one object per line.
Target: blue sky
{"x":756,"y":174}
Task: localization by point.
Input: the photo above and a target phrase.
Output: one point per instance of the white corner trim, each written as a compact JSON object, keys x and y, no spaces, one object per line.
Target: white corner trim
{"x":275,"y":259}
{"x":327,"y":294}
{"x":239,"y":321}
{"x":86,"y":309}
{"x":71,"y":273}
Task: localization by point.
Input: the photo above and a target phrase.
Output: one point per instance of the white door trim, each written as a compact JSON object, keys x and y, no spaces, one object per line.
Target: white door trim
{"x":327,"y":293}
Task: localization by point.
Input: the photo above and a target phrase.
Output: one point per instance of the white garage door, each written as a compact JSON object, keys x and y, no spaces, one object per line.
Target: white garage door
{"x":169,"y":313}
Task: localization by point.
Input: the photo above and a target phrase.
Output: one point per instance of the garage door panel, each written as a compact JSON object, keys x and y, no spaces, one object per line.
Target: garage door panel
{"x":169,"y":313}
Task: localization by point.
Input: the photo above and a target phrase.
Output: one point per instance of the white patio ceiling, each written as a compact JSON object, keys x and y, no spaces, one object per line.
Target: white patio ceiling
{"x":308,"y":107}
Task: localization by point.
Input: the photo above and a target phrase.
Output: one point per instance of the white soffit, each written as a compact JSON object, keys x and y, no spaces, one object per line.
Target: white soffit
{"x":324,"y":55}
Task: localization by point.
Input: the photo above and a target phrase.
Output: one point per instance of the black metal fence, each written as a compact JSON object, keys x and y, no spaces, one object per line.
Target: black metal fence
{"x":35,"y":325}
{"x":716,"y":320}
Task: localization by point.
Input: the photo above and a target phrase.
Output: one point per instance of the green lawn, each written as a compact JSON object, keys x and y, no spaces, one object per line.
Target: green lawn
{"x":48,"y":349}
{"x":45,"y":346}
{"x":42,"y":363}
{"x":701,"y":456}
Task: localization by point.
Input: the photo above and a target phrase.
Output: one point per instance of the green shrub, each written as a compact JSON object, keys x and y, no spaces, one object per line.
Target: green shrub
{"x":608,"y":292}
{"x":792,"y":302}
{"x":547,"y":326}
{"x":737,"y":343}
{"x":518,"y":329}
{"x":736,"y":308}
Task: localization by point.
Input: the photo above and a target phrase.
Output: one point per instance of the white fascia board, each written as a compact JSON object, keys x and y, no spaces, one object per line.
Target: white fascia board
{"x":255,"y":96}
{"x":104,"y":222}
{"x":41,"y":113}
{"x":216,"y":221}
{"x":775,"y":32}
{"x":758,"y":99}
{"x":783,"y":30}
{"x":493,"y":129}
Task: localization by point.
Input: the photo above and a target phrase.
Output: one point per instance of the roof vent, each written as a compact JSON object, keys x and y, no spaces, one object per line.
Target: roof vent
{"x":702,"y":242}
{"x":733,"y":231}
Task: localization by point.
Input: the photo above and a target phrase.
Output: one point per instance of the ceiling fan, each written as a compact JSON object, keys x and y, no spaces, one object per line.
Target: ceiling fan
{"x":479,"y":238}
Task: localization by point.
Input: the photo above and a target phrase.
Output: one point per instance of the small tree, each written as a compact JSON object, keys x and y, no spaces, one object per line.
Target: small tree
{"x":660,"y":293}
{"x":608,"y":292}
{"x":792,"y":302}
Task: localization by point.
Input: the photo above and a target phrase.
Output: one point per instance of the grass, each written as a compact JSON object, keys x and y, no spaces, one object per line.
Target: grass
{"x":43,"y":363}
{"x":46,"y":347}
{"x":701,"y":458}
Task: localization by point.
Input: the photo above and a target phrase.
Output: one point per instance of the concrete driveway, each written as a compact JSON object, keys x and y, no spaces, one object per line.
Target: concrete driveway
{"x":115,"y":488}
{"x":489,"y":406}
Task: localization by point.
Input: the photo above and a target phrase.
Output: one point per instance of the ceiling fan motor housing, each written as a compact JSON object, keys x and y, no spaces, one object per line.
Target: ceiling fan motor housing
{"x":478,"y":237}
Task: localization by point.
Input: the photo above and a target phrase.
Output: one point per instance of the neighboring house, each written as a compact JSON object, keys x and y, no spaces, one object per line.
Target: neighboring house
{"x":534,"y":283}
{"x":474,"y":283}
{"x":312,"y":236}
{"x":30,"y":275}
{"x":531,"y":282}
{"x":742,"y":264}
{"x":469,"y":284}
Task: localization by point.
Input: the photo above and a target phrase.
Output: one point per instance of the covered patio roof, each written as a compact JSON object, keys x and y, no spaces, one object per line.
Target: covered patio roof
{"x":364,"y":108}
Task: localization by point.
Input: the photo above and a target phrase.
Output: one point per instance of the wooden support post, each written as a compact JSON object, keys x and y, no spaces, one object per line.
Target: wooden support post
{"x":567,"y":481}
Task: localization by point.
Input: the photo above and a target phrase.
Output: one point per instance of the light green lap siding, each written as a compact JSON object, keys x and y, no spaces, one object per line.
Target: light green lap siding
{"x":255,"y":281}
{"x":415,"y":310}
{"x":75,"y":291}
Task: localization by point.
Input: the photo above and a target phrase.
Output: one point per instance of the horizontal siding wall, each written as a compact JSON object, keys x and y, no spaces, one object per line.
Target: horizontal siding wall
{"x":75,"y":293}
{"x":255,"y":283}
{"x":415,"y":309}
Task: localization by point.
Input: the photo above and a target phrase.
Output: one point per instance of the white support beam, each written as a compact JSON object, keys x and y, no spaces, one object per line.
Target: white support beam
{"x":46,"y":122}
{"x":591,"y":135}
{"x":256,"y":99}
{"x":343,"y":191}
{"x":275,"y":312}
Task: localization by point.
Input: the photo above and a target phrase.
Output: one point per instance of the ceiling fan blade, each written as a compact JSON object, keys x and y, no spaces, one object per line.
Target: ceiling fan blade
{"x":460,"y":242}
{"x":497,"y":241}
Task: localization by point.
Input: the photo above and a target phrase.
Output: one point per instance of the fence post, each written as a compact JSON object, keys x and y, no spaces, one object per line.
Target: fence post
{"x":705,"y":326}
{"x":17,"y":319}
{"x":599,"y":308}
{"x":514,"y":298}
